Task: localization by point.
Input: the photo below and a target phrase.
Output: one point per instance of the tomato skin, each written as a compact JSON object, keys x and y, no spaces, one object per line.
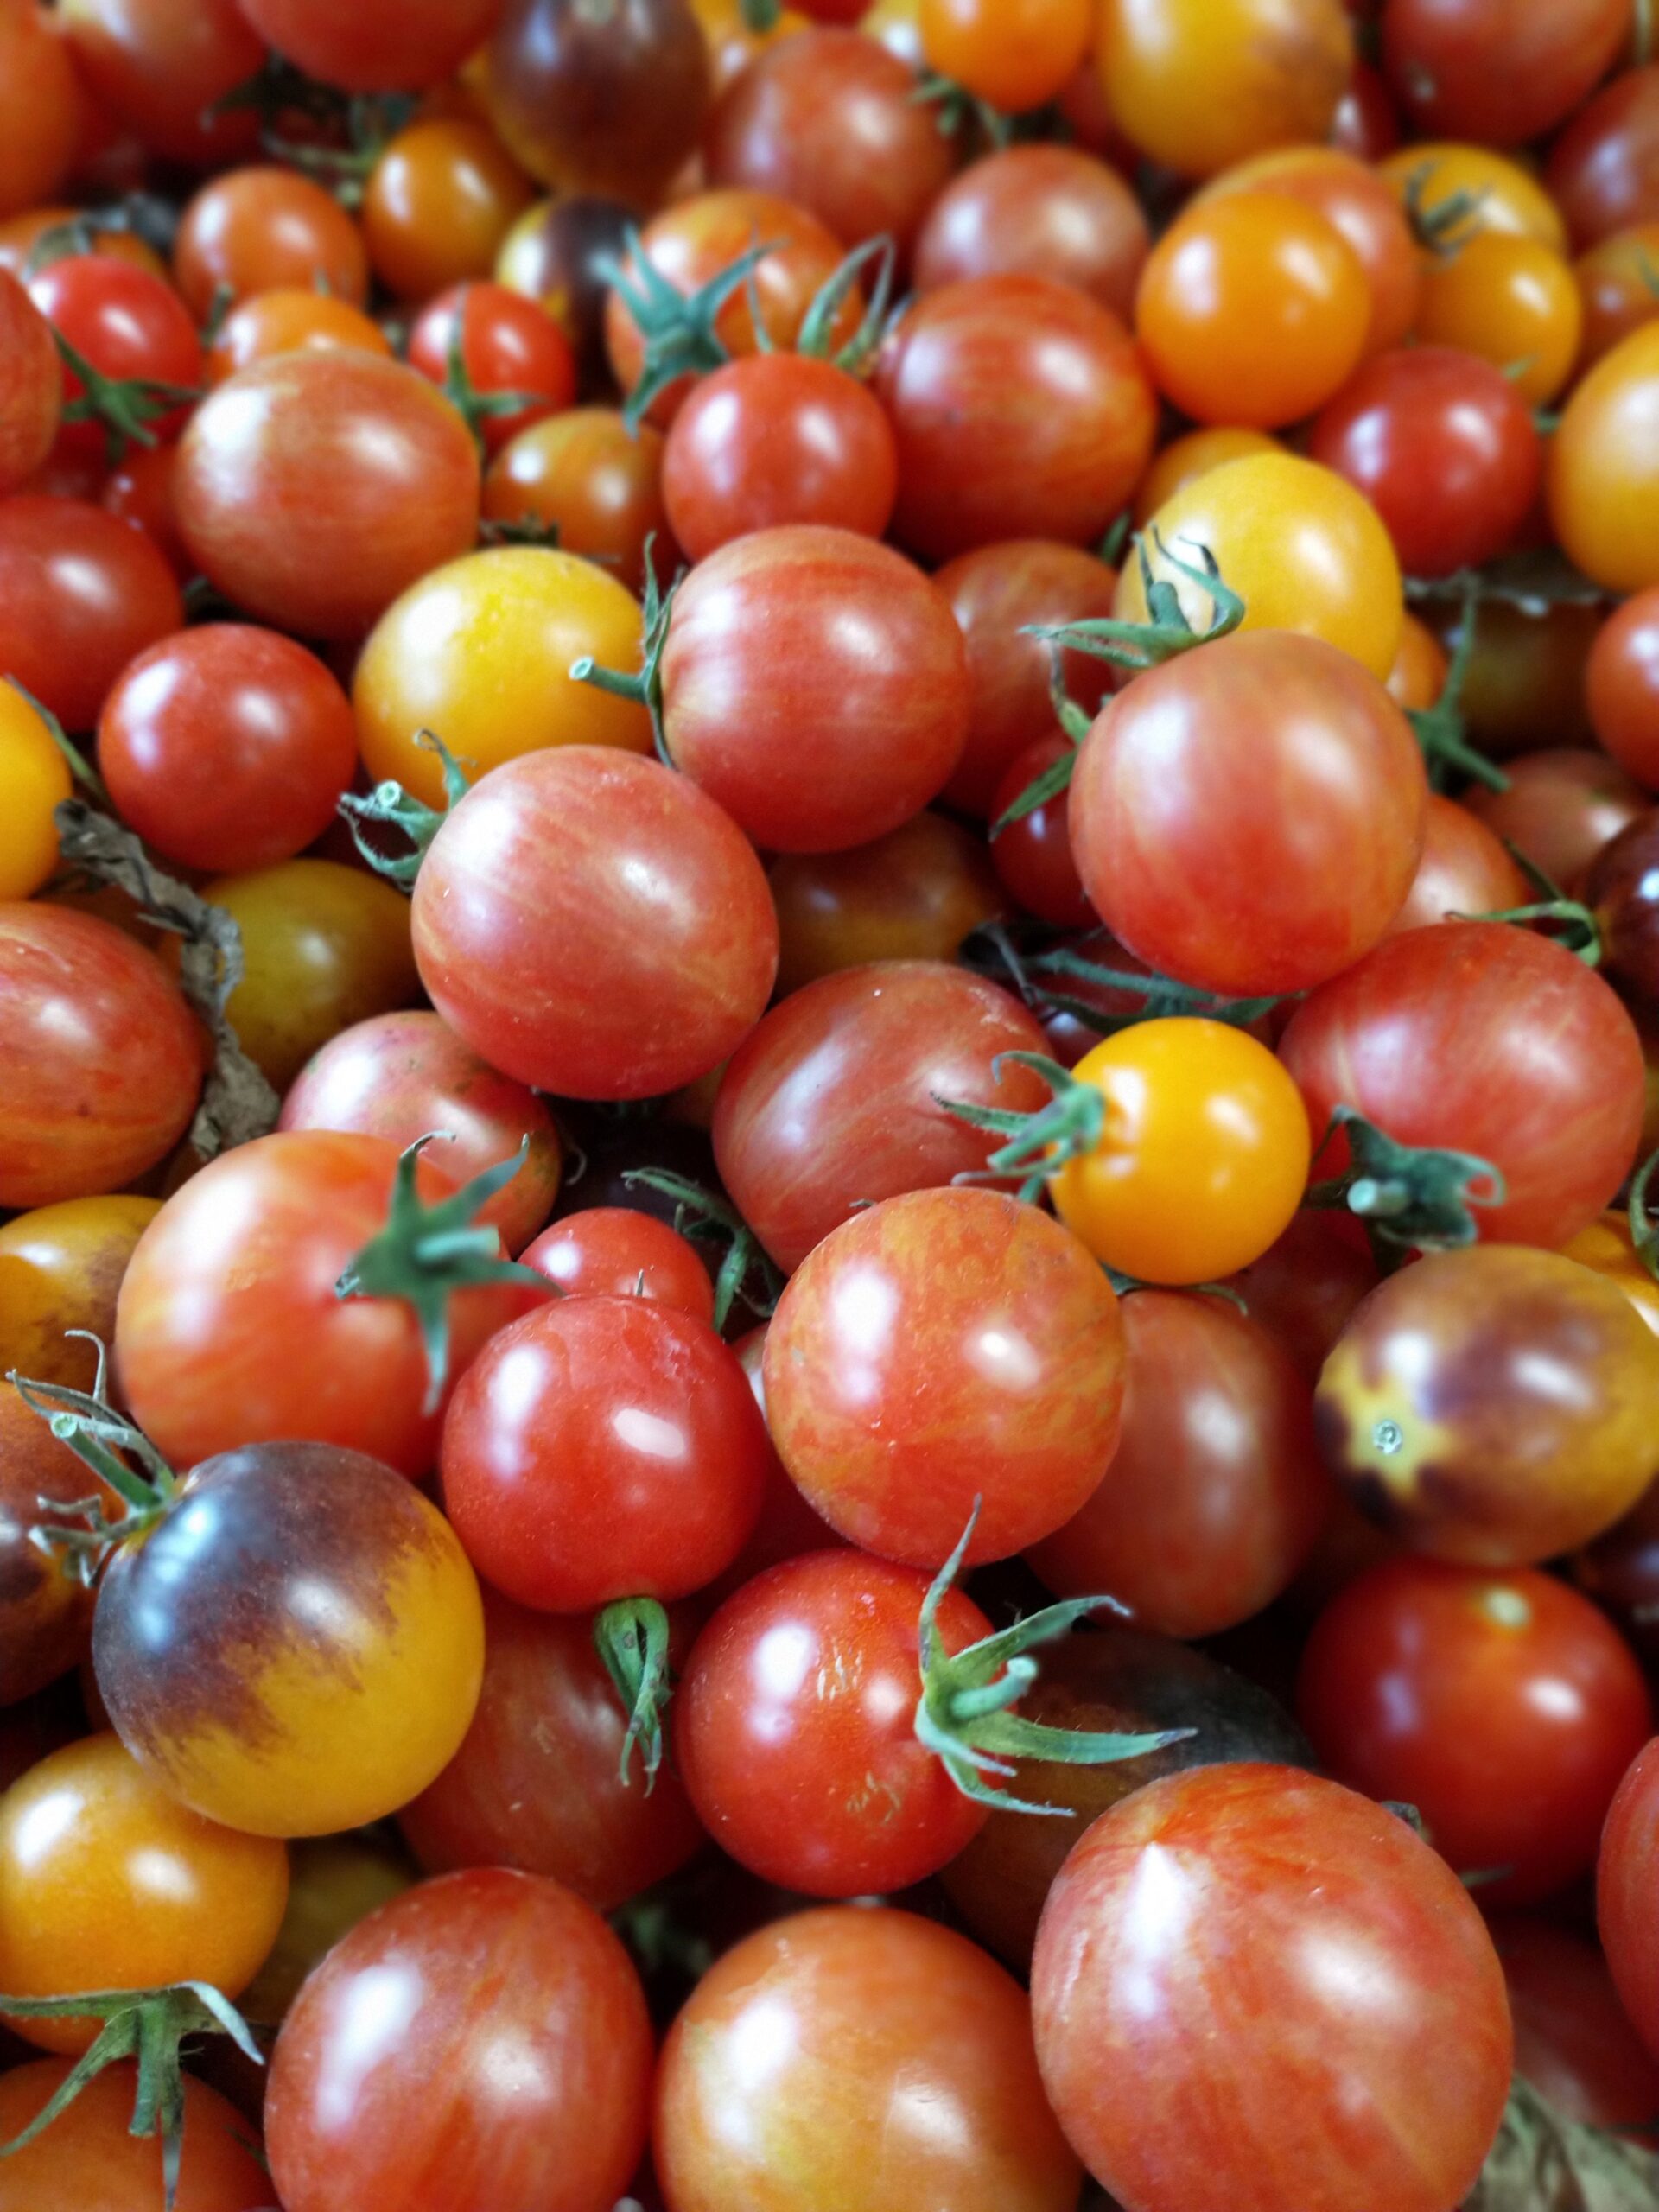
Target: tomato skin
{"x":1498,"y":73}
{"x":904,"y":2079}
{"x":1483,"y":1038}
{"x":1033,"y":856}
{"x":125,"y":322}
{"x":439,"y":203}
{"x":140,"y":493}
{"x":1194,"y":848}
{"x":794,"y":1728}
{"x":376,"y":49}
{"x":598,"y":483}
{"x":61,"y":1268}
{"x":1446,"y":1410}
{"x":79,"y":595}
{"x":34,"y":780}
{"x":90,"y":2158}
{"x":557,"y":253}
{"x":105,"y":1059}
{"x":1191,"y":455}
{"x":226,"y":748}
{"x":479,"y":650}
{"x":807,"y":642}
{"x":1021,"y":408}
{"x":1016,"y":54}
{"x":1621,"y":680}
{"x":253,"y":229}
{"x":1037,"y":211}
{"x":507,"y":344}
{"x":46,"y":1612}
{"x":1612,"y":290}
{"x":1514,"y":304}
{"x":480,"y":1960}
{"x":1444,"y":448}
{"x":1574,"y":2041}
{"x":538,"y":946}
{"x":982,"y":1356}
{"x":777,"y":438}
{"x":31,"y":386}
{"x":829,"y":120}
{"x":614,"y":1252}
{"x":1625,"y":1890}
{"x":288,"y":320}
{"x":1509,"y":196}
{"x":1620,"y":890}
{"x":1465,"y":870}
{"x":997,"y":592}
{"x":314,"y":487}
{"x":228,"y":1331}
{"x":914,"y":895}
{"x":1270,"y":1878}
{"x":1418,"y":675}
{"x":1608,"y":1247}
{"x":1199,"y":87}
{"x":1504,"y":1706}
{"x":1602,"y":479}
{"x":156,"y":66}
{"x":1603,"y":171}
{"x":1304,"y":1288}
{"x":401,"y":1075}
{"x":1215,"y":1492}
{"x":1565,"y":805}
{"x":131,"y":1891}
{"x":536,"y":1782}
{"x":832,"y":1099}
{"x":41,"y":108}
{"x":1252,"y":308}
{"x":603,"y":1447}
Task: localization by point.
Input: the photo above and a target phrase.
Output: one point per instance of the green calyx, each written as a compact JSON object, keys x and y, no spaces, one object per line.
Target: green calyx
{"x":475,"y":408}
{"x":1644,"y":1228}
{"x":1075,"y":726}
{"x":390,"y":804}
{"x":1167,"y":633}
{"x":630,"y":1636}
{"x":678,"y":327}
{"x":1439,"y":729}
{"x":128,"y":407}
{"x":1444,"y":227}
{"x":89,"y":1425}
{"x":644,"y":687}
{"x":817,"y":326}
{"x":147,"y":2025}
{"x":1038,"y":1144}
{"x":1412,"y":1197}
{"x":957,"y":107}
{"x":745,"y":1272}
{"x":426,"y":1253}
{"x":761,"y":15}
{"x":962,"y":1714}
{"x":140,"y":215}
{"x":1584,"y":931}
{"x":372,"y":121}
{"x":1038,"y":978}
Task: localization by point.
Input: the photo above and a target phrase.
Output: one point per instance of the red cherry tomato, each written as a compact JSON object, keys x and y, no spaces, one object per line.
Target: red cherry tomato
{"x":1033,"y":856}
{"x":258,"y":230}
{"x":613,"y":1251}
{"x":79,"y":595}
{"x":1627,"y":1892}
{"x":1037,"y":211}
{"x":126,"y":324}
{"x":1565,"y":804}
{"x":1461,"y":70}
{"x":1622,"y":678}
{"x":505,"y":343}
{"x":383,"y":46}
{"x":1464,"y":870}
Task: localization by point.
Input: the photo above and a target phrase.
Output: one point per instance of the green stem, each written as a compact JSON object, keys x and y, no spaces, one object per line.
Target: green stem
{"x":79,"y":766}
{"x":1439,"y":729}
{"x":644,"y":686}
{"x":1166,"y":632}
{"x":88,"y":1425}
{"x":1069,"y":1127}
{"x":699,"y":1213}
{"x":678,"y":328}
{"x":630,"y":1636}
{"x":390,"y":806}
{"x":1644,"y":1232}
{"x":127,"y":407}
{"x":1414,"y":1197}
{"x":1568,"y":911}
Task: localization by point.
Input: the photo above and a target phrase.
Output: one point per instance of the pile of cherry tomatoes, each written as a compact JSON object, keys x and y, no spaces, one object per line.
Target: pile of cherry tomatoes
{"x":829,"y":1091}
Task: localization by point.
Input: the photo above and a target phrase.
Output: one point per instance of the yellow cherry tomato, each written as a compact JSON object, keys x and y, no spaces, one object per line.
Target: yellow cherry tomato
{"x":1183,"y":460}
{"x":34,"y":779}
{"x":1511,"y":300}
{"x":1302,"y":549}
{"x":1483,"y":190}
{"x":324,"y":946}
{"x":1202,"y":1158}
{"x":1608,"y":1247}
{"x":481,"y":652}
{"x":1603,"y":479}
{"x":60,"y":1268}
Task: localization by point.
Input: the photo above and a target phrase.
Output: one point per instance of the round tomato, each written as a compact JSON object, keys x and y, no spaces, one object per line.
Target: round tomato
{"x":1304,"y":1288}
{"x":41,"y":107}
{"x":1037,"y":211}
{"x":1190,"y":456}
{"x":31,"y":386}
{"x":1497,"y":75}
{"x":505,"y":345}
{"x":1621,"y":680}
{"x":288,"y":320}
{"x":251,"y":230}
{"x":61,"y":1268}
{"x":1014,"y":54}
{"x":1032,"y":856}
{"x":614,"y":1252}
{"x":90,"y":2156}
{"x":1465,"y":870}
{"x":1622,"y":889}
{"x":1600,"y":171}
{"x":159,"y":64}
{"x":1613,"y":289}
{"x":79,"y":595}
{"x":1603,"y":478}
{"x":438,"y":205}
{"x":1514,"y":302}
{"x":609,"y":100}
{"x":129,"y":327}
{"x":586,"y":475}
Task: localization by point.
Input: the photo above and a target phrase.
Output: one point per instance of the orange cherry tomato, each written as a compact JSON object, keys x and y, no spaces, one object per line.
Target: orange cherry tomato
{"x":1514,"y":302}
{"x":1014,"y":54}
{"x":440,"y":200}
{"x":288,"y":320}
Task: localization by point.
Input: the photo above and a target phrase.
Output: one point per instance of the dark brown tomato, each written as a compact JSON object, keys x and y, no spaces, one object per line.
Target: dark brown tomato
{"x":1622,"y":889}
{"x":815,"y":685}
{"x":829,"y":119}
{"x":1022,"y":409}
{"x":1524,"y":686}
{"x":1603,"y":172}
{"x":313,"y":487}
{"x":79,"y":595}
{"x":539,"y":1784}
{"x":997,"y":592}
{"x":1563,"y":807}
{"x":1501,"y":75}
{"x":1038,"y":211}
{"x":1123,"y":1680}
{"x":914,"y":895}
{"x":558,"y":252}
{"x":834,"y":1097}
{"x":1464,"y":870}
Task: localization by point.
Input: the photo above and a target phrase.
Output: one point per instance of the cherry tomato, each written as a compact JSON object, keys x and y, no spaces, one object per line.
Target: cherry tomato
{"x":1418,"y":676}
{"x":1365,"y":123}
{"x":614,"y":1251}
{"x":1304,"y":1288}
{"x":1033,"y":856}
{"x":253,"y":230}
{"x":31,"y":386}
{"x":159,"y":64}
{"x":1564,"y":805}
{"x":1457,"y":66}
{"x":1216,"y":1493}
{"x":537,"y":1784}
{"x":60,"y":1268}
{"x":938,"y":1348}
{"x":505,"y":344}
{"x":105,"y":1059}
{"x":1613,"y":289}
{"x":90,"y":2157}
{"x":1574,"y":2041}
{"x":835,"y":1099}
{"x":438,"y":204}
{"x":1620,"y":888}
{"x":382,"y":46}
{"x":1608,"y":1247}
{"x":480,"y":651}
{"x":228,"y":1331}
{"x":106,"y":1882}
{"x":1600,"y":171}
{"x":288,"y":320}
{"x":402,"y":1075}
{"x":559,"y":252}
{"x":1021,"y":408}
{"x":46,"y":1612}
{"x":1037,"y":211}
{"x":34,"y":779}
{"x":1252,"y":309}
{"x":1302,"y":549}
{"x":295,"y":1647}
{"x":607,"y":103}
{"x":1014,"y":54}
{"x":79,"y":595}
{"x":597,"y":483}
{"x":734,"y":43}
{"x":1485,"y":191}
{"x":334,"y":1882}
{"x":1443,"y":446}
{"x":1514,"y":304}
{"x":1199,"y":86}
{"x":1602,"y":472}
{"x":777,"y":438}
{"x":901,"y":2077}
{"x":1488,"y":1405}
{"x":226,"y":746}
{"x":126,"y":324}
{"x":140,"y":493}
{"x":1464,"y":870}
{"x":595,"y":925}
{"x":1621,"y":678}
{"x":1482,"y":1039}
{"x":1267,"y":866}
{"x":1256,"y":1937}
{"x":829,"y":120}
{"x":914,"y":895}
{"x":1625,"y":1890}
{"x":41,"y":107}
